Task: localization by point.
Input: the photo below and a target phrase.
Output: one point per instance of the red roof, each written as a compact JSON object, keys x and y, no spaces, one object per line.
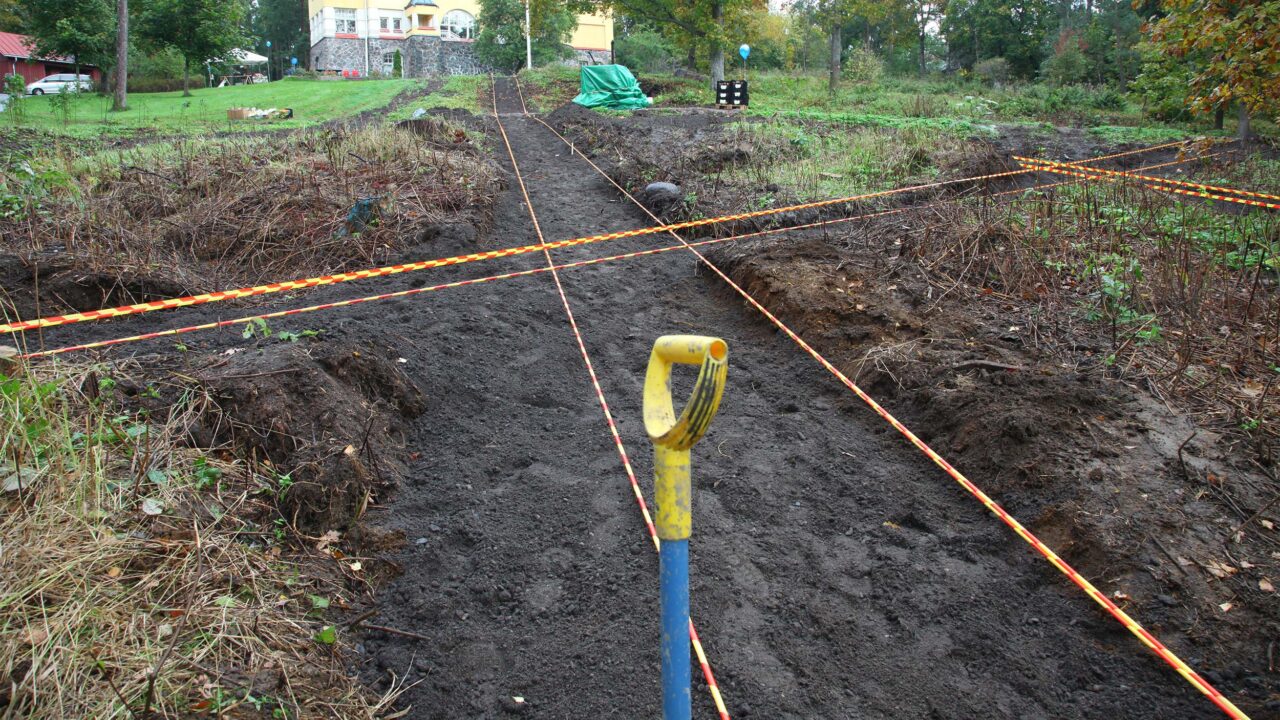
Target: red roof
{"x":20,"y":46}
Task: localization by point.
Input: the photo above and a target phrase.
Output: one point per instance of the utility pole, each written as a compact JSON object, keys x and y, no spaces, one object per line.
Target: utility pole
{"x":528,"y":37}
{"x":121,"y":101}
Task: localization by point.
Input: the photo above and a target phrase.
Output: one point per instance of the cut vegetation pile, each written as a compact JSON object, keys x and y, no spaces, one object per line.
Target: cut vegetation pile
{"x":200,"y":215}
{"x":146,"y":575}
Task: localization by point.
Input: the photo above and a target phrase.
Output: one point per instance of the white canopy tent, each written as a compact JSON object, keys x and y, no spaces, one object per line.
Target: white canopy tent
{"x":245,"y":57}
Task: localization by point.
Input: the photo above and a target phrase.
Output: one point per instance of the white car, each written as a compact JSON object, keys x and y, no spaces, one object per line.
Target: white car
{"x":55,"y":83}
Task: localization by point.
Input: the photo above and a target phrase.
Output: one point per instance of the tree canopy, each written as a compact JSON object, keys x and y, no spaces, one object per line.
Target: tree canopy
{"x":84,"y":30}
{"x":1232,"y":46}
{"x":200,"y":30}
{"x":500,"y":41}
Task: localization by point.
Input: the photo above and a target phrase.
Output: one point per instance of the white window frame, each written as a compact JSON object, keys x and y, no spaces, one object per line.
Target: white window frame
{"x":397,"y":25}
{"x":384,"y":23}
{"x":469,"y":31}
{"x":344,"y":21}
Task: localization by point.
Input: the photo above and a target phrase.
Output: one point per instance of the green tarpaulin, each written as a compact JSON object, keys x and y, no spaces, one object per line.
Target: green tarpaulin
{"x":611,"y":86}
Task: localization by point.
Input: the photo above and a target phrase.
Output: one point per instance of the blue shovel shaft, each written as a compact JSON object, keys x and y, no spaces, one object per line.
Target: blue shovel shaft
{"x":674,"y":573}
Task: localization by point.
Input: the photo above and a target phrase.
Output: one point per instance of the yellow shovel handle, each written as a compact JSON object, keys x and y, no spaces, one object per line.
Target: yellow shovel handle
{"x":660,"y":421}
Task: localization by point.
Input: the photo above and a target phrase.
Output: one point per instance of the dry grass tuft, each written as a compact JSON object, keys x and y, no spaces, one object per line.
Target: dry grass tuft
{"x":138,"y":580}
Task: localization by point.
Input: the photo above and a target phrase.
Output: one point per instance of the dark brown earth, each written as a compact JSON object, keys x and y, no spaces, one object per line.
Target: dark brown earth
{"x":836,"y":572}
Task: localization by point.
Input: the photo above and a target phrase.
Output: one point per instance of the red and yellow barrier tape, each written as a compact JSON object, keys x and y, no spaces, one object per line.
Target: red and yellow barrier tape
{"x":335,"y":278}
{"x":1024,"y":161}
{"x":1129,"y":623}
{"x":521,"y":273}
{"x":1161,"y":187}
{"x":712,"y":685}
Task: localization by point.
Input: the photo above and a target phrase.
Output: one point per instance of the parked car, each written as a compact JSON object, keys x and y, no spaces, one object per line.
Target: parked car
{"x":55,"y":84}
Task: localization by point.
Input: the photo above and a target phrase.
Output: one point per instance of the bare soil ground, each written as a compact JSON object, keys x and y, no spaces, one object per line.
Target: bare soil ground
{"x":836,"y":572}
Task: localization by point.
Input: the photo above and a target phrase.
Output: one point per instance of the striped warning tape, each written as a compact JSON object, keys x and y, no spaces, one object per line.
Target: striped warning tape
{"x":523,"y":273}
{"x":1181,"y":667}
{"x":335,"y":278}
{"x":1154,"y":186}
{"x":712,"y":685}
{"x":1024,"y":161}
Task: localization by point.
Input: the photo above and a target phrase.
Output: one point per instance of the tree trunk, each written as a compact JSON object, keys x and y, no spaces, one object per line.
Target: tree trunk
{"x":121,"y":101}
{"x":1242,"y":118}
{"x":717,"y":50}
{"x":691,"y":61}
{"x":1219,"y":116}
{"x":922,"y":38}
{"x":186,"y":77}
{"x":833,"y":67}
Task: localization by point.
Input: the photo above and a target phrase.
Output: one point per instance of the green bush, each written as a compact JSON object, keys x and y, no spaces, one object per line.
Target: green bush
{"x":647,"y":51}
{"x":993,"y":71}
{"x":863,"y":65}
{"x":1068,"y":66}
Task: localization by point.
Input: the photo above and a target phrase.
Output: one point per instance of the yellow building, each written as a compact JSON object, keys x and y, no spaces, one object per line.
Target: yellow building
{"x":432,"y":36}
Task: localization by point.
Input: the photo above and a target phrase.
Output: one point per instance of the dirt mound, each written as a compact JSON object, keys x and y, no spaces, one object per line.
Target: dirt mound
{"x":323,"y":416}
{"x":244,"y":210}
{"x":1130,"y":493}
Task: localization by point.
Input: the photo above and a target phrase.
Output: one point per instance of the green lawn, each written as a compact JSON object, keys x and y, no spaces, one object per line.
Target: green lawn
{"x":313,"y":101}
{"x":459,"y":92}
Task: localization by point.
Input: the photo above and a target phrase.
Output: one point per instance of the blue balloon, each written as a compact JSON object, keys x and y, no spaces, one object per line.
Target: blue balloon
{"x":744,"y":51}
{"x":293,"y":61}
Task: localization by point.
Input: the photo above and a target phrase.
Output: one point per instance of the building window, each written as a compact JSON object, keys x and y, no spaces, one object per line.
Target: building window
{"x":395,"y":25}
{"x":458,"y":25}
{"x":345,"y":20}
{"x":384,"y":24}
{"x":388,"y":63}
{"x":424,"y":22}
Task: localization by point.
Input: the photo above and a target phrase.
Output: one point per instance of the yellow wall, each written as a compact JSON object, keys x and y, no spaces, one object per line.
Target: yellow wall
{"x":594,"y":32}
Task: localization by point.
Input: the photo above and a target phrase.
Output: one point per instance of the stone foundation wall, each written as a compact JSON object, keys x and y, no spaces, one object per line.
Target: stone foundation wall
{"x":421,"y":56}
{"x":591,"y":57}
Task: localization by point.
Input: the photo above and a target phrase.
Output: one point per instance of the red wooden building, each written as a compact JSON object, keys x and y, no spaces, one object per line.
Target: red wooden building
{"x":15,"y":58}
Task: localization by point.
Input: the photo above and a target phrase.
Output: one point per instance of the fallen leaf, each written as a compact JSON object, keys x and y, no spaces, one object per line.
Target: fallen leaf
{"x":35,"y":636}
{"x":1267,"y":524}
{"x":1265,"y":585}
{"x":356,"y":566}
{"x":164,"y":631}
{"x":20,"y":480}
{"x":1220,"y":569}
{"x":327,"y":635}
{"x":1246,"y":565}
{"x":327,"y":539}
{"x":1117,"y":595}
{"x":114,"y":572}
{"x":1226,"y":607}
{"x":152,"y":506}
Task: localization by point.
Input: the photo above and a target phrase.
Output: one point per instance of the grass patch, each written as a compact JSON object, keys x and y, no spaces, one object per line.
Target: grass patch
{"x":459,"y":92}
{"x":550,"y":86}
{"x":144,"y":578}
{"x":812,"y":161}
{"x":1141,"y":135}
{"x":313,"y":101}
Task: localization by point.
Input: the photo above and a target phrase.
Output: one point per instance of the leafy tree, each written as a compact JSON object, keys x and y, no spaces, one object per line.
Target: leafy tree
{"x":1012,"y":29}
{"x":500,"y":41}
{"x":83,"y":30}
{"x":10,"y":20}
{"x":284,"y":23}
{"x":200,"y":30}
{"x":713,"y":25}
{"x":1239,"y":44}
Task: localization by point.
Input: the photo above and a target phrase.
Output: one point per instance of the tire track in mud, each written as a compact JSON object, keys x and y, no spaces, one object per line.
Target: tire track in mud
{"x":835,"y":574}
